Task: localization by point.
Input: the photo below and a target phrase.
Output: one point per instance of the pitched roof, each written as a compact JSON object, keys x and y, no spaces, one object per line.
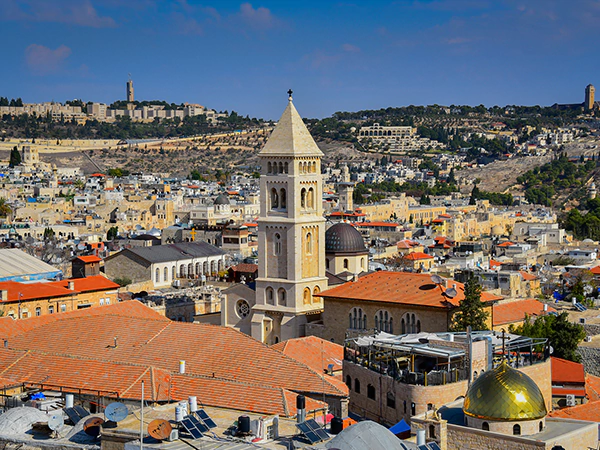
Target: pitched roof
{"x":566,"y":372}
{"x":245,"y":267}
{"x":17,"y":263}
{"x":290,"y":137}
{"x":592,"y":387}
{"x":171,"y":252}
{"x":401,"y":288}
{"x":588,"y":411}
{"x":31,"y":291}
{"x":527,"y":276}
{"x":313,"y":351}
{"x":88,"y":284}
{"x":506,"y":244}
{"x":415,"y":256}
{"x":89,"y":259}
{"x":511,"y":312}
{"x":81,"y":354}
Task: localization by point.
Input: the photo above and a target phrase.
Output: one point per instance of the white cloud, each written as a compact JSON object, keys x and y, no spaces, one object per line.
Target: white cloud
{"x":42,"y":60}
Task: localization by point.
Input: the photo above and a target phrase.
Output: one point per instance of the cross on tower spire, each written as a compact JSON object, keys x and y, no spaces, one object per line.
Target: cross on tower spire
{"x":290,"y":92}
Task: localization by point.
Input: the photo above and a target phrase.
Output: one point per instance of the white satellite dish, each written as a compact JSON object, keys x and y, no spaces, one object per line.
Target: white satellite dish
{"x":451,"y":292}
{"x":437,"y":279}
{"x":56,"y":421}
{"x":115,"y":412}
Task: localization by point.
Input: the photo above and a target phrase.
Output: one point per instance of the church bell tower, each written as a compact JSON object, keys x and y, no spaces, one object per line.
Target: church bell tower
{"x":291,"y":232}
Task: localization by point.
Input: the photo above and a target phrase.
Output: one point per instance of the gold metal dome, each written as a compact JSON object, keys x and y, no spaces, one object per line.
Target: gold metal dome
{"x":504,"y":394}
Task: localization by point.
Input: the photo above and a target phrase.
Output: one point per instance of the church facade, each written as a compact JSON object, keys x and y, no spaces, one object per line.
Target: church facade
{"x":291,"y":239}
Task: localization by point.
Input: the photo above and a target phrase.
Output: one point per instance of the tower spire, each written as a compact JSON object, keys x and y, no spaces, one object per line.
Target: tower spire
{"x":290,"y":92}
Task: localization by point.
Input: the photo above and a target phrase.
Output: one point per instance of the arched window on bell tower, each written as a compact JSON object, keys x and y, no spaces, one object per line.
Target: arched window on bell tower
{"x":274,"y":199}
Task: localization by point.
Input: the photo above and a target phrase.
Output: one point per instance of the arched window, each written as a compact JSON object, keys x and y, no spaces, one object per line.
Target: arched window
{"x":345,"y":263}
{"x":358,"y":319}
{"x":197,"y":268}
{"x":316,"y":290}
{"x":402,"y":326}
{"x":281,"y":296}
{"x":157,"y":276}
{"x":38,"y":311}
{"x":349,"y":381}
{"x":166,"y":274}
{"x":212,"y":267}
{"x":173,"y":274}
{"x":485,"y":426}
{"x":269,"y":293}
{"x":517,"y":430}
{"x":190,"y":270}
{"x":277,"y":244}
{"x":303,"y":198}
{"x":306,"y":296}
{"x":357,"y":385}
{"x":432,"y":431}
{"x":274,"y":199}
{"x":182,"y":273}
{"x":283,"y":199}
{"x":308,"y":243}
{"x":286,"y":168}
{"x":362,"y":263}
{"x":311,"y":198}
{"x":280,"y":167}
{"x":314,"y":167}
{"x":269,"y":168}
{"x":371,"y":391}
{"x":474,"y":375}
{"x":541,"y":426}
{"x":418,"y":326}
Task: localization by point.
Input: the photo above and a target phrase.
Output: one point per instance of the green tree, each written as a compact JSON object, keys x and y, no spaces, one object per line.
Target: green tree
{"x":425,"y":200}
{"x":15,"y":157}
{"x":111,"y":234}
{"x":122,"y":281}
{"x":48,"y":234}
{"x":470,"y":309}
{"x":563,"y":335}
{"x":5,"y":209}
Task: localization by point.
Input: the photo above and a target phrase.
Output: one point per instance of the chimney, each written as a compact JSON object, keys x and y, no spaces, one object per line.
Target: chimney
{"x":301,"y":407}
{"x":4,"y":295}
{"x":71,"y":285}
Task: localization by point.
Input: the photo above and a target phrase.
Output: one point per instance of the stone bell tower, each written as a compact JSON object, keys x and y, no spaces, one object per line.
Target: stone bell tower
{"x":291,"y":232}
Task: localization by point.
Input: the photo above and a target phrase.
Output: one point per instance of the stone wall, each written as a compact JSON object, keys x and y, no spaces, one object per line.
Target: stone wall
{"x":463,"y":438}
{"x":590,"y":357}
{"x":591,"y":329}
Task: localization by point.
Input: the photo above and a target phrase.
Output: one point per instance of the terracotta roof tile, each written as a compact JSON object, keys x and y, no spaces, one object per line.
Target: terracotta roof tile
{"x":32,"y":291}
{"x":527,"y":276}
{"x":415,"y":256}
{"x":403,"y":288}
{"x":313,"y":351}
{"x":510,"y":312}
{"x":89,"y":259}
{"x":88,"y":284}
{"x":568,"y":372}
{"x":589,"y":411}
{"x":592,"y":387}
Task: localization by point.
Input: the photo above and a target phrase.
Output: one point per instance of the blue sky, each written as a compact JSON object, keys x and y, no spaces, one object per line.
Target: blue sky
{"x":336,"y":56}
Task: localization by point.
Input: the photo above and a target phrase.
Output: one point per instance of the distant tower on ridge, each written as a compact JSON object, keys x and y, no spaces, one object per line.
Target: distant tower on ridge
{"x":130,"y":90}
{"x":589,"y":97}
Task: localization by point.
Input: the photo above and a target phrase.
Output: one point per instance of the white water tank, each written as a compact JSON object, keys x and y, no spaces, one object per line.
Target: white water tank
{"x":193,"y":401}
{"x":182,"y":366}
{"x":179,"y":414}
{"x":68,"y":400}
{"x":421,"y":436}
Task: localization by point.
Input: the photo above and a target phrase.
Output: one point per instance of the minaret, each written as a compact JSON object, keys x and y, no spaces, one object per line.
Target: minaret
{"x":291,"y":232}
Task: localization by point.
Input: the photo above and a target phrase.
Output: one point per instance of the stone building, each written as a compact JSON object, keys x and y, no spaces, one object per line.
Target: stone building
{"x":165,"y":264}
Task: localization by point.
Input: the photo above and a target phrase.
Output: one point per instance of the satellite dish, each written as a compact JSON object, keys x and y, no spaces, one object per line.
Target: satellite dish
{"x":160,"y":429}
{"x":437,"y":279}
{"x":115,"y":412}
{"x":451,"y":292}
{"x":92,"y":426}
{"x":56,"y":421}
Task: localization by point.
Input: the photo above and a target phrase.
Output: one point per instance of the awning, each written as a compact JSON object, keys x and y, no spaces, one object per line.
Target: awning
{"x":400,"y":427}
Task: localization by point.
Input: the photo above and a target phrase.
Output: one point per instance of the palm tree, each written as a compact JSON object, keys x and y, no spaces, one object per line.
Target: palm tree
{"x":5,"y":209}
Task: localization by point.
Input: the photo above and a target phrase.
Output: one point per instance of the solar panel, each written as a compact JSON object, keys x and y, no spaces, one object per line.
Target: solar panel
{"x":312,"y":431}
{"x":423,"y":447}
{"x":191,"y":428}
{"x":434,"y":446}
{"x":198,"y":424}
{"x":206,"y":418}
{"x":580,"y":307}
{"x":76,"y":413}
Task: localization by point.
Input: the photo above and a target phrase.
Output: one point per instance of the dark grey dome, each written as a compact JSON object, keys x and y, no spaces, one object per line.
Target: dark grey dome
{"x":344,"y":238}
{"x":222,"y":200}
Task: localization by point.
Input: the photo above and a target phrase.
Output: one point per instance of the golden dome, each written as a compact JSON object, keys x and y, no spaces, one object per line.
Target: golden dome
{"x":504,"y":394}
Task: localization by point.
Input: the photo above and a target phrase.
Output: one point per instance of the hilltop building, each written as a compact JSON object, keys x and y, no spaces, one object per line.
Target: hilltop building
{"x":589,"y":97}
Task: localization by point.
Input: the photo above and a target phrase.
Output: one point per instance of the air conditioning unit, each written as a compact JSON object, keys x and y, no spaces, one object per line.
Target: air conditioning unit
{"x":570,"y":400}
{"x":174,"y":436}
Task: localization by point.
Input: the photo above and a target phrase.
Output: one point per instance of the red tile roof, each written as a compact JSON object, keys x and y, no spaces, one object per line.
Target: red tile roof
{"x":32,"y":291}
{"x":567,"y":372}
{"x":511,"y":312}
{"x":88,"y":284}
{"x":592,"y":387}
{"x":494,"y":264}
{"x":377,"y":224}
{"x":589,"y":411}
{"x":415,"y":256}
{"x":82,"y":354}
{"x":595,"y":270}
{"x":402,"y":288}
{"x":245,"y":268}
{"x":506,"y":244}
{"x":89,"y":259}
{"x":527,"y":276}
{"x":313,"y":351}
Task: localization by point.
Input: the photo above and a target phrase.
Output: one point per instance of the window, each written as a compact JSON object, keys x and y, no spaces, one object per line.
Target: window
{"x":485,"y":426}
{"x":413,"y":409}
{"x":371,"y":391}
{"x":63,"y":308}
{"x":274,"y":199}
{"x":306,"y":296}
{"x":277,"y":244}
{"x":101,"y":302}
{"x":50,"y":309}
{"x":432,"y":431}
{"x":349,"y":381}
{"x":383,"y":321}
{"x":107,"y":300}
{"x":173,"y":274}
{"x":517,"y":430}
{"x":358,"y":319}
{"x":391,"y":400}
{"x":166,"y":274}
{"x":242,"y":308}
{"x":157,"y":277}
{"x":269,"y":293}
{"x":269,"y":168}
{"x":345,"y":263}
{"x":308,"y":243}
{"x":311,"y":198}
{"x":38,"y":311}
{"x":541,"y":426}
{"x":281,"y":296}
{"x":362,"y":263}
{"x":303,"y":198}
{"x":404,"y":406}
{"x":357,"y":385}
{"x":283,"y":198}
